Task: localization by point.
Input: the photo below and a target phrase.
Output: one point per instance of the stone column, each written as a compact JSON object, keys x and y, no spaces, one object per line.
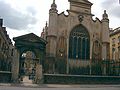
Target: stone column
{"x":15,"y":67}
{"x":67,"y":69}
{"x":104,"y":52}
{"x":38,"y":74}
{"x":104,"y":57}
{"x":91,"y":50}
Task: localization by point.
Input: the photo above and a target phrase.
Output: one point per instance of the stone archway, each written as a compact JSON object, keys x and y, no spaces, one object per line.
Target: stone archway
{"x":29,"y":42}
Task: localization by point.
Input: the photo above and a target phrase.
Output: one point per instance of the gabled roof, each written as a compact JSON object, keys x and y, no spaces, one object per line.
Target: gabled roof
{"x":30,"y":37}
{"x":115,"y":31}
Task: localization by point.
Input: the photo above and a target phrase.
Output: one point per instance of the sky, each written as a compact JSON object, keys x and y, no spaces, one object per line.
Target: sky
{"x":29,"y":16}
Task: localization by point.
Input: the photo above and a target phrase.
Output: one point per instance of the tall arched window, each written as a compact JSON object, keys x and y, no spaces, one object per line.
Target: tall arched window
{"x":79,"y":43}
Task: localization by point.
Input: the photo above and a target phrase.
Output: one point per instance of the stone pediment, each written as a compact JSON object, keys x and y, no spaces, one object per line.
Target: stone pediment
{"x":31,"y":37}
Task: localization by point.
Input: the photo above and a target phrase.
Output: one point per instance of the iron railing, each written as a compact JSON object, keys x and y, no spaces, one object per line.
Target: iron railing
{"x":96,"y":67}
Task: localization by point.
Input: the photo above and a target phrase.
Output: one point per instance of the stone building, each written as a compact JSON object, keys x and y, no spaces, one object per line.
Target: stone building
{"x":75,"y":40}
{"x":115,"y":51}
{"x":6,"y":54}
{"x":115,"y":44}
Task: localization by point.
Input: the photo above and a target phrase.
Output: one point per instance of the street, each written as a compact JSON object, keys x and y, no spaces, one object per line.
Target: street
{"x":62,"y":87}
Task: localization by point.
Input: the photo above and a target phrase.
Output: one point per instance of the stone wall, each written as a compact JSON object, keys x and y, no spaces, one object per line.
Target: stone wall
{"x":5,"y":77}
{"x":80,"y":79}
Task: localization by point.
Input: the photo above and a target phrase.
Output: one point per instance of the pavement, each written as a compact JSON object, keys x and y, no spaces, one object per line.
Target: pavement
{"x":28,"y":83}
{"x":57,"y":86}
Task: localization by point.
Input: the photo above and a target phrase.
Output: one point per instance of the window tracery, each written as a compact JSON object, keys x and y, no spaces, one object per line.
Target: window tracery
{"x":79,"y":43}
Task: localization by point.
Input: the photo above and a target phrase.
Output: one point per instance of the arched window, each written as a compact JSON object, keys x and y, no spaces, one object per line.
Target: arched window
{"x":96,"y":50}
{"x":119,"y":53}
{"x":113,"y":53}
{"x":61,"y":46}
{"x":79,"y":43}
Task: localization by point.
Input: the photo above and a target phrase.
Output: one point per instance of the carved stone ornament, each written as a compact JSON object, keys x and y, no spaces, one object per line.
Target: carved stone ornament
{"x":80,"y":17}
{"x":61,"y":50}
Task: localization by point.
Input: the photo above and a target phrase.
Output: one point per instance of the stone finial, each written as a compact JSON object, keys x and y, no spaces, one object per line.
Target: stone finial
{"x":46,"y":24}
{"x":43,"y":30}
{"x":53,"y":1}
{"x":105,"y":15}
{"x":80,"y":17}
{"x":53,"y":7}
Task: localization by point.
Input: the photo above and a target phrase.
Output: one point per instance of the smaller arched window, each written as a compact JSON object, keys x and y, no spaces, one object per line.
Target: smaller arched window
{"x":119,"y":53}
{"x":61,"y":46}
{"x":96,"y":50}
{"x":96,"y":47}
{"x":119,"y":39}
{"x":113,"y":54}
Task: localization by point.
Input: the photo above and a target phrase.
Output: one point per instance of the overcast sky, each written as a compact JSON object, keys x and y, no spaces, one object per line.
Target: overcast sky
{"x":26,"y":16}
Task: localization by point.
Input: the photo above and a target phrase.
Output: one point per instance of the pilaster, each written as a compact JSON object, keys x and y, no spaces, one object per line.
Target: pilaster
{"x":15,"y":67}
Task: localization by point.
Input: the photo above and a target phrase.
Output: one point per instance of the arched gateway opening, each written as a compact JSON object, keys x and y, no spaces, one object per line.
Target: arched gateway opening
{"x":27,"y":67}
{"x":29,"y":58}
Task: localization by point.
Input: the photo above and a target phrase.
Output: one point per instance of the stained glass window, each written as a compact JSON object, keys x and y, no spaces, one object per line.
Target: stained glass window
{"x":79,"y":43}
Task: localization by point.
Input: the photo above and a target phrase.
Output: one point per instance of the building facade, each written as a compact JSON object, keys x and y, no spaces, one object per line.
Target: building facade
{"x":6,"y":54}
{"x":115,"y":44}
{"x":115,"y":51}
{"x":75,"y":40}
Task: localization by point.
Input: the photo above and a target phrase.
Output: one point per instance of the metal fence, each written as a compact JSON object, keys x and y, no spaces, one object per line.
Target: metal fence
{"x":112,"y":67}
{"x":96,"y":67}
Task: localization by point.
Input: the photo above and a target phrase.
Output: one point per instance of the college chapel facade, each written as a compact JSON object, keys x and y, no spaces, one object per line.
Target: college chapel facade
{"x":75,"y":40}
